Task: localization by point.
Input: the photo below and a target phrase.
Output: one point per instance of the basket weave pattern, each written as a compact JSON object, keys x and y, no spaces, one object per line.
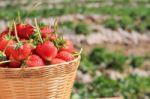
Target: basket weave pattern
{"x":48,"y":82}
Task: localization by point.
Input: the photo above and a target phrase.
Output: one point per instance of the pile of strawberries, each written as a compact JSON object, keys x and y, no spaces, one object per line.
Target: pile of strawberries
{"x":25,"y":45}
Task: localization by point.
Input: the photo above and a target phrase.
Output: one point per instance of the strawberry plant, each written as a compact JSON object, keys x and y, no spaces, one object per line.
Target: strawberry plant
{"x":67,"y":24}
{"x":126,"y":23}
{"x":111,"y":23}
{"x":86,"y":66}
{"x":82,"y":28}
{"x":112,"y":60}
{"x":130,"y":87}
{"x":136,"y":61}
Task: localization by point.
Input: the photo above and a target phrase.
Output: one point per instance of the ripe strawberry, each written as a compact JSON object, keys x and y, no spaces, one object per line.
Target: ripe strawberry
{"x":47,"y":32}
{"x":3,"y":44}
{"x":68,"y":46}
{"x":5,"y":41}
{"x":64,"y":55}
{"x":35,"y":61}
{"x":46,"y":29}
{"x":24,"y":31}
{"x":3,"y":33}
{"x":46,"y":50}
{"x":52,"y":37}
{"x":14,"y":63}
{"x":22,"y":52}
{"x":57,"y":61}
{"x":9,"y":48}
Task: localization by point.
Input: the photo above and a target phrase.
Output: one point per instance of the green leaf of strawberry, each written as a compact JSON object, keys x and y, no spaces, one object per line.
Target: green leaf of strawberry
{"x":59,"y":42}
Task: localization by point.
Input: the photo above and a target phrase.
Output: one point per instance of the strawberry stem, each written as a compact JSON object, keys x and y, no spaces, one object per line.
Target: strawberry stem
{"x":16,"y":35}
{"x":19,"y":44}
{"x":34,"y":6}
{"x":5,"y":62}
{"x":77,"y":54}
{"x":38,"y":30}
{"x":10,"y":28}
{"x":55,"y":25}
{"x":19,"y":18}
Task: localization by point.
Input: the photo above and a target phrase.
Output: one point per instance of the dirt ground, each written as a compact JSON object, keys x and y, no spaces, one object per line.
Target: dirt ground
{"x":140,"y":49}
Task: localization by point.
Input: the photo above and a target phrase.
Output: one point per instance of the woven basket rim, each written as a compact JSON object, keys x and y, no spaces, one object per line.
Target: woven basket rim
{"x":78,"y":57}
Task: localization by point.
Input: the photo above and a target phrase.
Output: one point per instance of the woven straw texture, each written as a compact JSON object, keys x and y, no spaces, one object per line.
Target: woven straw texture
{"x":48,"y":82}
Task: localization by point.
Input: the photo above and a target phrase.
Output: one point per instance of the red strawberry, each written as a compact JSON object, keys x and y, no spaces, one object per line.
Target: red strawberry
{"x":64,"y":55}
{"x":24,"y":30}
{"x":5,"y":41}
{"x":3,"y":44}
{"x":46,"y":50}
{"x":3,"y":33}
{"x":14,"y":63}
{"x":57,"y":61}
{"x":22,"y":52}
{"x":53,"y":37}
{"x":47,"y":32}
{"x":9,"y":48}
{"x":68,"y":46}
{"x":35,"y":61}
{"x":46,"y":29}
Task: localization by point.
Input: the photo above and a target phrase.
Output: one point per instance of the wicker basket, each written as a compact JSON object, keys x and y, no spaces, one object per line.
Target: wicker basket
{"x":48,"y":82}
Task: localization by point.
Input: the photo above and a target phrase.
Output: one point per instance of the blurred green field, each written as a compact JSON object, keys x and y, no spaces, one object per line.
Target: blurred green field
{"x":127,"y":12}
{"x":130,"y":15}
{"x":131,"y":86}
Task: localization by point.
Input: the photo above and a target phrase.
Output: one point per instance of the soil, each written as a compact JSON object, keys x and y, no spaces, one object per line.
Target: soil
{"x":140,"y":49}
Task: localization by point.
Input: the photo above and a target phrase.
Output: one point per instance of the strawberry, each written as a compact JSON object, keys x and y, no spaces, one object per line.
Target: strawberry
{"x":24,"y":31}
{"x":14,"y":63}
{"x":68,"y":46}
{"x":64,"y":55}
{"x":52,"y":37}
{"x":35,"y":61}
{"x":3,"y":44}
{"x":57,"y":61}
{"x":46,"y":50}
{"x":47,"y":32}
{"x":46,"y":29}
{"x":4,"y":33}
{"x":22,"y":52}
{"x":5,"y":41}
{"x":9,"y":48}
